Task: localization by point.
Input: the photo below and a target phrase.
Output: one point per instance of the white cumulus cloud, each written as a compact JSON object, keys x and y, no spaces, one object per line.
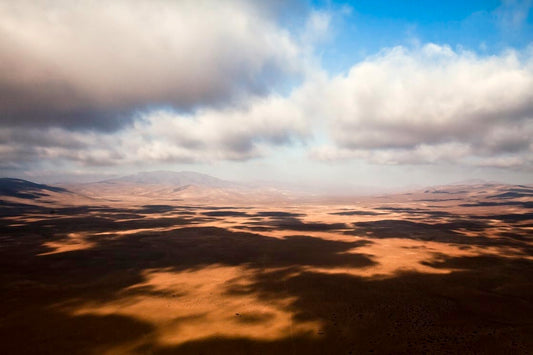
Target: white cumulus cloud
{"x":430,"y":103}
{"x":90,"y":63}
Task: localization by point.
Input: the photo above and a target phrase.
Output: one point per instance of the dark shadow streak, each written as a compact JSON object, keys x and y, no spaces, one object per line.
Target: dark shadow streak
{"x":485,"y":307}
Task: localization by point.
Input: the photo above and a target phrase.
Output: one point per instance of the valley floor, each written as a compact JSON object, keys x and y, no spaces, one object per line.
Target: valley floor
{"x":428,"y":272}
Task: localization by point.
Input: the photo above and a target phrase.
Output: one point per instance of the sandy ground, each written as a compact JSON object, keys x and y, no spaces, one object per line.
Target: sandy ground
{"x":438,"y":271}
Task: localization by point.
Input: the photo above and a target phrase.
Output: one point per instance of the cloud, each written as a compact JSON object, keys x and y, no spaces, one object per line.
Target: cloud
{"x":229,"y":134}
{"x":90,"y":64}
{"x":317,"y":27}
{"x":428,"y":104}
{"x":424,"y":105}
{"x":207,"y":135}
{"x":512,"y":14}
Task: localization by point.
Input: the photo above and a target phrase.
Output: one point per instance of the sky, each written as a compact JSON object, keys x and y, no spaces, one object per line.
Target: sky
{"x":328,"y":94}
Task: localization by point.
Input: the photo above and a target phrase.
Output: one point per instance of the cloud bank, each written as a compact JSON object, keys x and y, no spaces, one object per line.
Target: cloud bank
{"x":90,"y":64}
{"x":429,"y":104}
{"x":86,"y":84}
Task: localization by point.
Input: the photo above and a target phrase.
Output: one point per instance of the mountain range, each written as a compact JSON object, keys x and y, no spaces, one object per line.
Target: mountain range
{"x":171,"y":178}
{"x":161,"y":186}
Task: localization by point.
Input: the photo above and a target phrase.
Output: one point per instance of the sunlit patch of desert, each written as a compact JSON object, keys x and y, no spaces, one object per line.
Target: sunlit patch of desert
{"x":196,"y":304}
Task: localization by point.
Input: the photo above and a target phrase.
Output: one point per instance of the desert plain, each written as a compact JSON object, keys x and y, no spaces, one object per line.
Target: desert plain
{"x":130,"y":268}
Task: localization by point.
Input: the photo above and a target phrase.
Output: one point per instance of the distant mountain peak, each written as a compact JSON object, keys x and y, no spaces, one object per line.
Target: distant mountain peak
{"x":173,"y":178}
{"x":474,"y":182}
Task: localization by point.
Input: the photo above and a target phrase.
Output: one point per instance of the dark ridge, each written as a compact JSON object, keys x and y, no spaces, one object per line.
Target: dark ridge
{"x":526,"y":204}
{"x":446,"y":192}
{"x":156,"y":209}
{"x":479,"y":262}
{"x":25,"y":189}
{"x":10,"y":209}
{"x":512,"y":217}
{"x":511,"y":195}
{"x":403,"y":227}
{"x":254,"y":228}
{"x":416,"y":211}
{"x":357,"y":213}
{"x":278,"y":214}
{"x":224,"y":213}
{"x":439,"y":200}
{"x":448,"y":232}
{"x":295,"y":224}
{"x":521,"y":189}
{"x":222,"y":208}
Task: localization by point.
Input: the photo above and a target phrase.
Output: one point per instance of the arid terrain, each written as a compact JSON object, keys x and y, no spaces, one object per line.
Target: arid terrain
{"x":128,"y":267}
